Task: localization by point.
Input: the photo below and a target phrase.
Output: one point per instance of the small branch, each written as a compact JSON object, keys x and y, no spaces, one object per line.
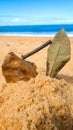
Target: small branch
{"x":36,"y":50}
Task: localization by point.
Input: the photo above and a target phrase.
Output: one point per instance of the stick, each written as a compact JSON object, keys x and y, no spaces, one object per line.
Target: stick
{"x":36,"y":50}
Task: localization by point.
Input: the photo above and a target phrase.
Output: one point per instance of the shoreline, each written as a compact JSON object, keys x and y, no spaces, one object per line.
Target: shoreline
{"x":32,"y":35}
{"x":28,"y":35}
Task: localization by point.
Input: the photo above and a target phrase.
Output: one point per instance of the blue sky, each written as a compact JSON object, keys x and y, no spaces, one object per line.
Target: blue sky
{"x":24,"y":12}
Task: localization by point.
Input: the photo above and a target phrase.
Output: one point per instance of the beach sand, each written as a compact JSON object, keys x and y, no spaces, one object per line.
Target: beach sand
{"x":42,"y":103}
{"x":21,"y":45}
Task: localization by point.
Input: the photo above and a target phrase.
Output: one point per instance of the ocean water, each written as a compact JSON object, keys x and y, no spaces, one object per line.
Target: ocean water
{"x":36,"y":30}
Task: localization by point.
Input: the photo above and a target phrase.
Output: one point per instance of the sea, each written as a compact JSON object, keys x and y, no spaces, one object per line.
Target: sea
{"x":36,"y":30}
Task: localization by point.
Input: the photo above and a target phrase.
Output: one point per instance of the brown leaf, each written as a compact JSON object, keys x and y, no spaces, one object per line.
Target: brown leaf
{"x":58,"y":54}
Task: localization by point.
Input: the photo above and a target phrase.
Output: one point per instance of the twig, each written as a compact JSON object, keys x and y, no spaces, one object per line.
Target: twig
{"x":36,"y":50}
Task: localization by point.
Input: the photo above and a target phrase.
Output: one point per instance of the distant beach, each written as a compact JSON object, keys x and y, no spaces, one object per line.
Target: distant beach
{"x":22,"y":45}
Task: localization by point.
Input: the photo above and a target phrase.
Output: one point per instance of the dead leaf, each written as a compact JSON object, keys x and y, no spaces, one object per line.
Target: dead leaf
{"x":59,"y":53}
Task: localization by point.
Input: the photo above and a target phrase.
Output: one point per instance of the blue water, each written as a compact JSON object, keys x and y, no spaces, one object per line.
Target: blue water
{"x":36,"y":29}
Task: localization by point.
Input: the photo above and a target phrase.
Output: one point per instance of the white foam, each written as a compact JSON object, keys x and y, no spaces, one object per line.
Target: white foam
{"x":27,"y":35}
{"x":31,"y":35}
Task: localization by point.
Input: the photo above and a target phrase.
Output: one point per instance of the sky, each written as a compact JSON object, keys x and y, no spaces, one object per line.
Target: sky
{"x":29,"y":12}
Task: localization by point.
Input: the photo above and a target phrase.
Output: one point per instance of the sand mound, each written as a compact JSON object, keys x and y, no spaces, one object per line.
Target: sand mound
{"x":39,"y":104}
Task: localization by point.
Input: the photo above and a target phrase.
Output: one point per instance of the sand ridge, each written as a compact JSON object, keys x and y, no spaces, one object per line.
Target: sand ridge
{"x":40,"y":104}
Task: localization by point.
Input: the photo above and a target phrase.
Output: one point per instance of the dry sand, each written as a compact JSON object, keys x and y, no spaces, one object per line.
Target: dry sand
{"x":41,"y":103}
{"x":23,"y":45}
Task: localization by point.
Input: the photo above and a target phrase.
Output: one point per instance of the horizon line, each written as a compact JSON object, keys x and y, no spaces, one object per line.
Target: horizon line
{"x":38,"y":24}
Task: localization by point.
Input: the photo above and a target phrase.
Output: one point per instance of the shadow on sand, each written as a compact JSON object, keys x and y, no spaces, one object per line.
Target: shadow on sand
{"x":67,"y":78}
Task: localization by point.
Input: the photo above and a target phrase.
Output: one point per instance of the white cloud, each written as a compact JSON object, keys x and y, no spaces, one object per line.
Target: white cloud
{"x":16,"y":20}
{"x":34,"y":20}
